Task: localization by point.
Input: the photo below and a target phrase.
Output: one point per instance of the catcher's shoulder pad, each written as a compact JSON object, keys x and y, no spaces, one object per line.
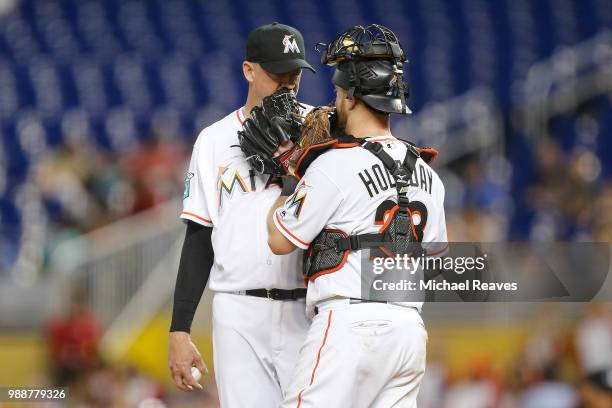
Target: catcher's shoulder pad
{"x":428,"y":154}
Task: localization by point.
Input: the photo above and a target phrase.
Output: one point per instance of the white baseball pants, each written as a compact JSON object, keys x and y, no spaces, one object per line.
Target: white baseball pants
{"x":360,"y":355}
{"x":256,"y":342}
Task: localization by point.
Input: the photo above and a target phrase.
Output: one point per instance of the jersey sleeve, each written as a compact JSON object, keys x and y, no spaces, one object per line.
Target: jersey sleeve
{"x":195,"y":206}
{"x":308,"y":210}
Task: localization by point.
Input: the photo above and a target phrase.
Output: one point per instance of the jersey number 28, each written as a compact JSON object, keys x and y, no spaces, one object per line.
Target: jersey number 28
{"x":417,"y":208}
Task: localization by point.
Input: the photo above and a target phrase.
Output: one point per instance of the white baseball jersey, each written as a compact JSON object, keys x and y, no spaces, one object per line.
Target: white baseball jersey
{"x":344,"y":189}
{"x":223,"y":192}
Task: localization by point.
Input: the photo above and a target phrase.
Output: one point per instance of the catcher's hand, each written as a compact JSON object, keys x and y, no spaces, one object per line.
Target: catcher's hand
{"x":270,"y":126}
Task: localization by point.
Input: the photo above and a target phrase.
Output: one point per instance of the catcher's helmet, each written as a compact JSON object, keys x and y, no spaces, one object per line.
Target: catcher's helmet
{"x":369,"y":63}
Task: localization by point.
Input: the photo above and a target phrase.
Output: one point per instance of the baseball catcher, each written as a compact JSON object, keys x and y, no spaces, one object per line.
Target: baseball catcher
{"x":362,"y":193}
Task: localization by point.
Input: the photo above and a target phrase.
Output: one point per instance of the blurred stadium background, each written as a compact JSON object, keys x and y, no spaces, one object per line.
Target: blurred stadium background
{"x":101,"y":101}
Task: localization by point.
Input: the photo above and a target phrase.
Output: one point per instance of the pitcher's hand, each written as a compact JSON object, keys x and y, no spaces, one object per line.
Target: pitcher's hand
{"x":182,"y":355}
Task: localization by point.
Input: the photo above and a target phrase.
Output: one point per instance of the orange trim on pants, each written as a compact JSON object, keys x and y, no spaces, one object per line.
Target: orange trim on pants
{"x":314,"y":370}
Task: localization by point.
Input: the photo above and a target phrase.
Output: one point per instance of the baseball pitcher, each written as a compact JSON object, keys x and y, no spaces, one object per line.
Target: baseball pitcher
{"x":258,"y":306}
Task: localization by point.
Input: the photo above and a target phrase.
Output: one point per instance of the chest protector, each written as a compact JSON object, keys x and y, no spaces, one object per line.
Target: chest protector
{"x":329,"y":251}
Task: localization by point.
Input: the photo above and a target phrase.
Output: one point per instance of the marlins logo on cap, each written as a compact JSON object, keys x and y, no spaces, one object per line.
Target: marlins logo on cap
{"x":290,"y":44}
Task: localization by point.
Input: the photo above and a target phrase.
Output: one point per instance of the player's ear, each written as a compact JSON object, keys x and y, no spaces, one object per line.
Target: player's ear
{"x":248,"y":70}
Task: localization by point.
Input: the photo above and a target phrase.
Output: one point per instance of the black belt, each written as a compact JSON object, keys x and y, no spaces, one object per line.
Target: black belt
{"x":355,"y":300}
{"x":278,"y":294}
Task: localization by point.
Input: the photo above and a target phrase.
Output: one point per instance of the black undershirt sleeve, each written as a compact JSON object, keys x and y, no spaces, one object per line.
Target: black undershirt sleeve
{"x":194,"y":269}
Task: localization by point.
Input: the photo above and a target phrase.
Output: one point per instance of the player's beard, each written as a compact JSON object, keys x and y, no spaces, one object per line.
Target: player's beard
{"x":341,"y":117}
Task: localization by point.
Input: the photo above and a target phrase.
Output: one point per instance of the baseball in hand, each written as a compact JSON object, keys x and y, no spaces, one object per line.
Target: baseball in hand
{"x":196,"y":374}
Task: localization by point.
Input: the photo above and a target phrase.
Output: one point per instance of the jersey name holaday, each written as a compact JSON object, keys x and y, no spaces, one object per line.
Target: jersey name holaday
{"x":377,"y":179}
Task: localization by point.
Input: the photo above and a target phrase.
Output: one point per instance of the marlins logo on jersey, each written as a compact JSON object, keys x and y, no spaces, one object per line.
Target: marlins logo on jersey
{"x":296,"y":201}
{"x":228,"y":182}
{"x":188,"y":178}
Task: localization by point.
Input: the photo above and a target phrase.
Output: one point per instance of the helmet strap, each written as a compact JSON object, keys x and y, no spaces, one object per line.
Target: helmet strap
{"x":399,"y":84}
{"x":353,"y":80}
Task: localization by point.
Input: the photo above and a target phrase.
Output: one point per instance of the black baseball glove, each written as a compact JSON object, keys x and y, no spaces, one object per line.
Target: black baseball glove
{"x":277,"y":121}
